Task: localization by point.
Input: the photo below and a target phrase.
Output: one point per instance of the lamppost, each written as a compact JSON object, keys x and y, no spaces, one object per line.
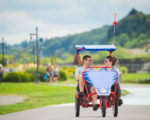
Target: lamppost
{"x":33,"y":48}
{"x":37,"y":47}
{"x":3,"y":51}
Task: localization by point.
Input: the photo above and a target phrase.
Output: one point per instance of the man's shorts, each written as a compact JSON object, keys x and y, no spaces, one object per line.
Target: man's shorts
{"x":89,"y":85}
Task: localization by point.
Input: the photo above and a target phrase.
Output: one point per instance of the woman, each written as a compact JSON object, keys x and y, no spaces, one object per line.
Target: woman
{"x":48,"y":76}
{"x":110,"y":61}
{"x":55,"y":73}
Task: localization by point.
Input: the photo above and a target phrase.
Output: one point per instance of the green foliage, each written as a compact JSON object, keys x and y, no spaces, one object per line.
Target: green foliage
{"x":123,"y":69}
{"x":42,"y":72}
{"x":18,"y":77}
{"x":70,"y":71}
{"x":122,"y":39}
{"x":132,"y":31}
{"x":62,"y":75}
{"x":133,"y":11}
{"x":60,"y":45}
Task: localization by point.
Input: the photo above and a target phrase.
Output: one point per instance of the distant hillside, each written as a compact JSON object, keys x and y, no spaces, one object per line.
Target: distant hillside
{"x":133,"y":31}
{"x":134,"y":24}
{"x":67,"y":44}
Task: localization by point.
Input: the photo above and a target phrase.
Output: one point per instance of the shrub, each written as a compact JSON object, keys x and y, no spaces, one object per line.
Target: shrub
{"x":123,"y":70}
{"x":18,"y":77}
{"x":70,"y":71}
{"x":62,"y":75}
{"x":42,"y":72}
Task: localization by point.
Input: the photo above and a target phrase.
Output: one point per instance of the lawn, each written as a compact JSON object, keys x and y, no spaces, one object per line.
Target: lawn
{"x":136,"y":78}
{"x":37,"y":95}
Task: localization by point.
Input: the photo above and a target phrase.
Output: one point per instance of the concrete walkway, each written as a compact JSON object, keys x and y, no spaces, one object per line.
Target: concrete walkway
{"x":67,"y":113}
{"x":9,"y":99}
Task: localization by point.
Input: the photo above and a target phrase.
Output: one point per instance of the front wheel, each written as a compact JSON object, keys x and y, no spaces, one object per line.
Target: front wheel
{"x":103,"y":107}
{"x":115,"y":109}
{"x":77,"y":106}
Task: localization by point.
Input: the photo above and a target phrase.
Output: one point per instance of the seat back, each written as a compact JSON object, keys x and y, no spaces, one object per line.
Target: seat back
{"x":101,"y":80}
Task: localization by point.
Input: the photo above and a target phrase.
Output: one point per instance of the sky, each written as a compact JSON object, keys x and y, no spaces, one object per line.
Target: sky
{"x":56,"y":18}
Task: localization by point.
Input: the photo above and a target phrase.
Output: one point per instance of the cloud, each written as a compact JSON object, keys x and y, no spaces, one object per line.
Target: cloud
{"x":17,"y":25}
{"x":60,"y":17}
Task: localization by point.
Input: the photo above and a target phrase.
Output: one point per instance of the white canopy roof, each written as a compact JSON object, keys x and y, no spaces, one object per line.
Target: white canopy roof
{"x":96,"y":47}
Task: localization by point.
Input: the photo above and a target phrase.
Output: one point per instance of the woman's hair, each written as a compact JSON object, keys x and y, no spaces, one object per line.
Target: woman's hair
{"x":49,"y":67}
{"x":112,"y":59}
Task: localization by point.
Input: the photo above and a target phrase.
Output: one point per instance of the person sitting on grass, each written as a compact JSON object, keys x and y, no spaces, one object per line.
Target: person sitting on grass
{"x":110,"y":61}
{"x":87,"y":61}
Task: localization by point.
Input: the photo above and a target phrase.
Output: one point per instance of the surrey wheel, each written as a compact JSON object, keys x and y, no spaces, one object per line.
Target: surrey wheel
{"x":77,"y":106}
{"x":103,"y":107}
{"x":115,"y":109}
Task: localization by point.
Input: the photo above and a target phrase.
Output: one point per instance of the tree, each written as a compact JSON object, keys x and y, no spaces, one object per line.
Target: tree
{"x":133,"y":11}
{"x":123,"y":39}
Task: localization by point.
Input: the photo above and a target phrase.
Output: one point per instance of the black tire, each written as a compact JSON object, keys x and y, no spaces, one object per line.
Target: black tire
{"x":103,"y":107}
{"x":77,"y":107}
{"x":115,"y":109}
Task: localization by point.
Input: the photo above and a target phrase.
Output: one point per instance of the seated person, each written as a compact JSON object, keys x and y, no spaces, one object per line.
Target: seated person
{"x":87,"y":60}
{"x":110,"y":62}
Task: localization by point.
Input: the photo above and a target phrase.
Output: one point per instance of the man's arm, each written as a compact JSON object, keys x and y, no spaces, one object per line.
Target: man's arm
{"x":77,"y":74}
{"x":77,"y":77}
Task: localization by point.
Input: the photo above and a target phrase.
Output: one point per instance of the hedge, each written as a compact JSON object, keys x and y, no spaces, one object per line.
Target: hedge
{"x":18,"y":77}
{"x":29,"y":75}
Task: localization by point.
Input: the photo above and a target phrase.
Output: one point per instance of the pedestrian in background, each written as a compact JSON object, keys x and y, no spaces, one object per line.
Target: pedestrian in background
{"x":55,"y":73}
{"x":48,"y":76}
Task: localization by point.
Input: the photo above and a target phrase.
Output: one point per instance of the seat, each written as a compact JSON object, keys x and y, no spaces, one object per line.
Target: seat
{"x":101,"y":80}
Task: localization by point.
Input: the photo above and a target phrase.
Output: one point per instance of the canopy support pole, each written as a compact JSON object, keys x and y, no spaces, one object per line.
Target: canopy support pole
{"x":79,"y":58}
{"x":110,"y":53}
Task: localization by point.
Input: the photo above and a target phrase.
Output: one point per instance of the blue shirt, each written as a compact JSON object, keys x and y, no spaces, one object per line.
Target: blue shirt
{"x":80,"y":70}
{"x":115,"y":69}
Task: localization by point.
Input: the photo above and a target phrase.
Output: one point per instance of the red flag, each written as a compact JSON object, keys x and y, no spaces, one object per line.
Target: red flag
{"x":115,"y":23}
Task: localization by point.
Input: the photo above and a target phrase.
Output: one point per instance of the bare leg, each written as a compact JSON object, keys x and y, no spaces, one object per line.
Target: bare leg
{"x":55,"y":79}
{"x":50,"y":80}
{"x":47,"y":81}
{"x":94,"y":97}
{"x":81,"y":84}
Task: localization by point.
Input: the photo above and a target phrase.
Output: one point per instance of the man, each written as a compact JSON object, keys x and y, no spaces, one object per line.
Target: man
{"x":87,"y":61}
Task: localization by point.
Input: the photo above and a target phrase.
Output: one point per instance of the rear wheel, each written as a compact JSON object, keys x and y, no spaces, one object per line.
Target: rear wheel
{"x":103,"y":107}
{"x":115,"y":109}
{"x":77,"y":106}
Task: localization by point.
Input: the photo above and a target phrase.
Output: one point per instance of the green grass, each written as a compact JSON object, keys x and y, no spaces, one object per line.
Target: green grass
{"x":124,"y":92}
{"x":37,"y":95}
{"x":136,"y":78}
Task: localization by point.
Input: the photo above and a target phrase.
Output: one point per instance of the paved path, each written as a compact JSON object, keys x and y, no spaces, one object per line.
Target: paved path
{"x":67,"y":113}
{"x":139,"y":94}
{"x":136,"y":107}
{"x":9,"y":99}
